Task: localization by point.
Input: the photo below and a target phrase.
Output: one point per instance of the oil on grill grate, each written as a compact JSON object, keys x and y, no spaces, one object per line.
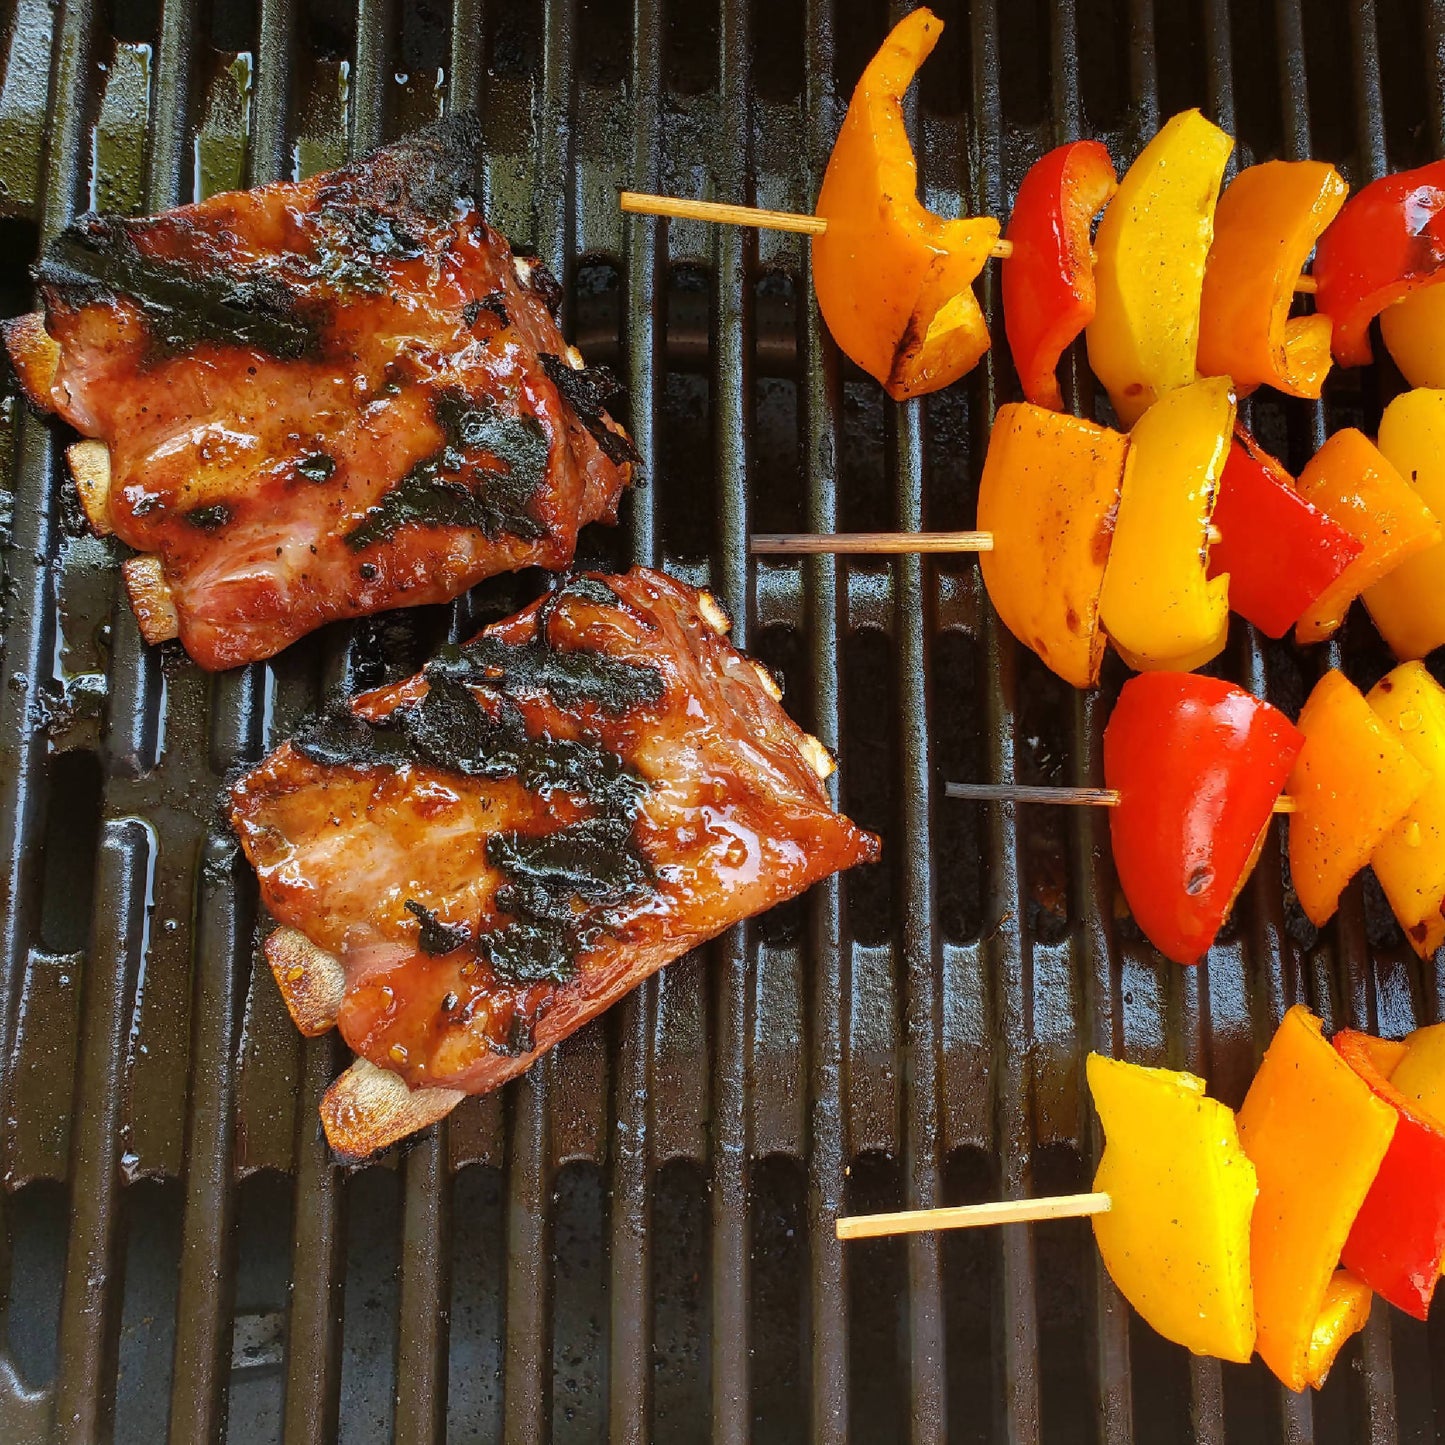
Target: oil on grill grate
{"x":637,"y":1240}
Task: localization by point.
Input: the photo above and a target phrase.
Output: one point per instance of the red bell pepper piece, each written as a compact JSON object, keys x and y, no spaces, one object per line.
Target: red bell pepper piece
{"x":1388,"y":240}
{"x":1197,"y":763}
{"x":1048,"y":282}
{"x":1397,"y":1244}
{"x":1279,"y":551}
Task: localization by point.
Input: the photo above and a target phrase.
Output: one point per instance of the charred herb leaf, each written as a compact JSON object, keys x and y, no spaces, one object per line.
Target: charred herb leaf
{"x":588,"y":861}
{"x":432,"y":935}
{"x":209,"y":519}
{"x":454,"y":487}
{"x":587,"y":392}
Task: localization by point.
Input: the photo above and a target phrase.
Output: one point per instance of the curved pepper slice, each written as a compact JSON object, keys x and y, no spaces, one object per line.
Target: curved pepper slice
{"x":1351,"y":784}
{"x":1152,"y":247}
{"x":1049,"y":491}
{"x":1388,"y":241}
{"x":1413,"y":330}
{"x":1316,"y":1136}
{"x":1197,"y":763}
{"x":1409,"y":860}
{"x":1408,"y":603}
{"x":1265,"y":226}
{"x":1048,"y":284}
{"x":1158,"y":605}
{"x":1279,"y":552}
{"x":1352,"y":484}
{"x":894,"y":281}
{"x":1397,"y":1242}
{"x":1176,"y":1237}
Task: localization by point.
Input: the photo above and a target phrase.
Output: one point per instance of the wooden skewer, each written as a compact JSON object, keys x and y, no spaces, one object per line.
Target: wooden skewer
{"x":643,"y":203}
{"x":640,"y":203}
{"x":1071,"y":797}
{"x":864,"y":543}
{"x":971,"y":1216}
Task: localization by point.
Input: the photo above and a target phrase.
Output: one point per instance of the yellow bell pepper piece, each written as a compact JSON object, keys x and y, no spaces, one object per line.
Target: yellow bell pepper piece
{"x":1409,"y":860}
{"x":1420,"y":1074}
{"x":1158,"y":605}
{"x":1176,"y":1239}
{"x":1414,"y":331}
{"x":1351,"y":784}
{"x":1049,"y":492}
{"x":1152,"y":247}
{"x":1353,"y":484}
{"x":1408,"y":603}
{"x":1317,"y":1135}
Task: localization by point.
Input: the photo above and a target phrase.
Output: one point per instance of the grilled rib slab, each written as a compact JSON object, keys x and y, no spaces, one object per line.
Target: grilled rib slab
{"x":470,"y":864}
{"x":318,"y":400}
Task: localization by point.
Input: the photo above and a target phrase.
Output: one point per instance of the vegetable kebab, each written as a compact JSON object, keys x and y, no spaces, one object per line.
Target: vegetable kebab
{"x":1195,"y":766}
{"x":1268,"y":1231}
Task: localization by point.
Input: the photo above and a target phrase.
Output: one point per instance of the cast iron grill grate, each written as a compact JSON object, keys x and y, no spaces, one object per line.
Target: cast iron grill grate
{"x":637,"y":1238}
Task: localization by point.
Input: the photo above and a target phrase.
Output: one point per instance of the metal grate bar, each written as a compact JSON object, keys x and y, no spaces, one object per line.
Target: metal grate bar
{"x":313,"y":1331}
{"x":421,"y":1363}
{"x":631,"y":1149}
{"x":734,"y":954}
{"x":827,"y":1151}
{"x":527,"y":1381}
{"x":89,"y":1309}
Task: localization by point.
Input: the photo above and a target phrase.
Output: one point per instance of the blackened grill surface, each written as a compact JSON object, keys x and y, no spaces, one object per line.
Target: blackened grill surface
{"x":637,"y":1238}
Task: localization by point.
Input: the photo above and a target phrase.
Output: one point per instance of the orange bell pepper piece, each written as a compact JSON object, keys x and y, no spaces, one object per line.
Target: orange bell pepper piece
{"x":1408,"y":604}
{"x":895,"y":282}
{"x":1409,"y":860}
{"x":1265,"y":226}
{"x":1351,"y":483}
{"x":1351,"y":784}
{"x":1316,"y":1135}
{"x":1049,"y":491}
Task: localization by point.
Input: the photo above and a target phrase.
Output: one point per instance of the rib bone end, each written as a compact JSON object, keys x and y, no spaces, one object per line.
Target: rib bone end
{"x":368,"y":1109}
{"x":35,"y":355}
{"x":90,"y":466}
{"x":312,"y":981}
{"x":150,"y":598}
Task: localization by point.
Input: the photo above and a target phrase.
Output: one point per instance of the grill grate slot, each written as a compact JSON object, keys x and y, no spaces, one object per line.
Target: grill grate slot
{"x":637,"y":1238}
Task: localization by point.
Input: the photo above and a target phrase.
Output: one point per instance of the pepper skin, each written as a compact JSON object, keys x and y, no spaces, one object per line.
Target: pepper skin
{"x":1198,"y":764}
{"x":1388,"y":241}
{"x":1049,"y":491}
{"x":1353,"y":484}
{"x":1152,"y":247}
{"x":1265,"y":226}
{"x":1408,"y":603}
{"x":1351,"y":784}
{"x":894,"y":281}
{"x":1414,"y":334}
{"x":1316,"y":1135}
{"x":1397,"y":1243}
{"x":1176,"y":1237}
{"x":1158,"y":606}
{"x":1048,"y":284}
{"x":1409,"y":860}
{"x":1279,"y":552}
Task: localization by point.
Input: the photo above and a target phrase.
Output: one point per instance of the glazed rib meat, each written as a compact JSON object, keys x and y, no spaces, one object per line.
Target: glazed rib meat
{"x":470,"y":864}
{"x":318,"y":400}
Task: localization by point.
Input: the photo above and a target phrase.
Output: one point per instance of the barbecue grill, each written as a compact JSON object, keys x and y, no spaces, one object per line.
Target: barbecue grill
{"x":636,"y":1239}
